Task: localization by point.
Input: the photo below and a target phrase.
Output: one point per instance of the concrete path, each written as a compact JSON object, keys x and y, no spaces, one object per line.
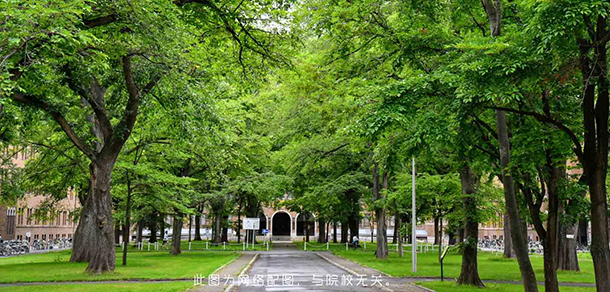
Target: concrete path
{"x":220,"y":280}
{"x":289,"y":269}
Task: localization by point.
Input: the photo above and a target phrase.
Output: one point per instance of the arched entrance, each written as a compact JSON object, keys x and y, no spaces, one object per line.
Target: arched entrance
{"x":280,"y":224}
{"x":302,"y":219}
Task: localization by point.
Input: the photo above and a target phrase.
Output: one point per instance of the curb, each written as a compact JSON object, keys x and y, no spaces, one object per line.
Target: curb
{"x":221,"y":267}
{"x":243,"y":271}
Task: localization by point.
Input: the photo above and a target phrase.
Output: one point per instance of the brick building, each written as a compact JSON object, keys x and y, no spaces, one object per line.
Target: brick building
{"x":17,"y":221}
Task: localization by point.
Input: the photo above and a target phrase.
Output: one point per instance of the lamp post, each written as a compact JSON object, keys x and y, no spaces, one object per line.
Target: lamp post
{"x":413,"y":218}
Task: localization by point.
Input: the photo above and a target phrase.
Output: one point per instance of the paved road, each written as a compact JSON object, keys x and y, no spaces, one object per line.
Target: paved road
{"x":308,"y":271}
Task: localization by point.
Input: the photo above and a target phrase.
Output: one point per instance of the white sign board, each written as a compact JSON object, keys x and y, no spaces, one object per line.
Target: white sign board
{"x":28,"y":234}
{"x":570,"y":236}
{"x":252,"y":223}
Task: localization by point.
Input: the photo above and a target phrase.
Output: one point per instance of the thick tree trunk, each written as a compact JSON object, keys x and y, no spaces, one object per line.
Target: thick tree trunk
{"x":518,"y":235}
{"x":198,"y":227}
{"x":322,"y":231}
{"x":218,"y":226}
{"x":436,"y":237}
{"x":353,"y":223}
{"x":94,"y":236}
{"x":176,"y":235}
{"x":380,"y":212}
{"x":344,"y":232}
{"x":551,"y":239}
{"x":470,"y":269}
{"x":140,"y":230}
{"x":567,"y":256}
{"x":153,"y":227}
{"x":335,"y":232}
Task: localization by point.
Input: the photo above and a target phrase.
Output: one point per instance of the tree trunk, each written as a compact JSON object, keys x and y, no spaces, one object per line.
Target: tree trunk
{"x":218,"y":226}
{"x":140,"y":230}
{"x":436,"y":242}
{"x":344,"y":229}
{"x":470,"y":269}
{"x":567,"y":257}
{"x":153,"y":228}
{"x":126,"y":227}
{"x":354,"y":224}
{"x":335,"y":231}
{"x":382,"y":243}
{"x":117,"y":233}
{"x":239,"y":221}
{"x":509,"y":251}
{"x":517,"y":234}
{"x":176,"y":235}
{"x":399,"y":237}
{"x":322,"y":231}
{"x":372,"y":223}
{"x":94,"y":236}
{"x":595,"y":158}
{"x":395,"y":233}
{"x":190,"y":226}
{"x":198,"y":227}
{"x":461,"y":235}
{"x":225,"y":230}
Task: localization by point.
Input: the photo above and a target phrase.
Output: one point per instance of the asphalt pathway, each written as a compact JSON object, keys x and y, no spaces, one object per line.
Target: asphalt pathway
{"x":288,"y":269}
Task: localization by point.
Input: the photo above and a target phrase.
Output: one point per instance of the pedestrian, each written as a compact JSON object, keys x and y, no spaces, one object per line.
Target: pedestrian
{"x":166,"y":239}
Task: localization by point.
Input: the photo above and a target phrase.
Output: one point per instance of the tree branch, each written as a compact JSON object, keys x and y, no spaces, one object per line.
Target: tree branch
{"x":544,"y":119}
{"x":60,"y":119}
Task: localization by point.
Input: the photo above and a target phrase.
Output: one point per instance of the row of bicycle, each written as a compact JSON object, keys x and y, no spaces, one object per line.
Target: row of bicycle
{"x":16,"y":247}
{"x":533,"y":246}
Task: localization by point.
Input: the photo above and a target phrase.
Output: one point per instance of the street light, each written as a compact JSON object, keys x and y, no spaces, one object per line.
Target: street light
{"x":413,"y":218}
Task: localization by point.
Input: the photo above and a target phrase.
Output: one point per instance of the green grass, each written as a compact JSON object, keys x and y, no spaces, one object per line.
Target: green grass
{"x":450,"y":286}
{"x":491,"y":267}
{"x":55,"y":266}
{"x":122,"y":287}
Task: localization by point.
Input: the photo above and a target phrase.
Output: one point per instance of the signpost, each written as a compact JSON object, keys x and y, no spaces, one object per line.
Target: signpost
{"x":252,"y":224}
{"x":442,"y":258}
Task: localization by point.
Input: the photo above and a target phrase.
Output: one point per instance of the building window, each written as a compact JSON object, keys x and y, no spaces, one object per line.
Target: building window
{"x":44,"y":237}
{"x":58,"y":219}
{"x":29,"y":216}
{"x":70,"y":235}
{"x":65,"y":218}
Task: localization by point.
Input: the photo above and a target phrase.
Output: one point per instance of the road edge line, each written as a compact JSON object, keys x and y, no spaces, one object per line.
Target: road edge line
{"x":246,"y":268}
{"x":349,"y":271}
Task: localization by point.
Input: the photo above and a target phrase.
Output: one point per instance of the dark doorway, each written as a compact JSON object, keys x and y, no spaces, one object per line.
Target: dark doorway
{"x":281,"y":224}
{"x":301,"y":226}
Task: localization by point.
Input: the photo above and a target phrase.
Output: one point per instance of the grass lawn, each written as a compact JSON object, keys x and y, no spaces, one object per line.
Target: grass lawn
{"x":450,"y":286}
{"x":123,"y":287}
{"x":491,"y":267}
{"x":55,"y":266}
